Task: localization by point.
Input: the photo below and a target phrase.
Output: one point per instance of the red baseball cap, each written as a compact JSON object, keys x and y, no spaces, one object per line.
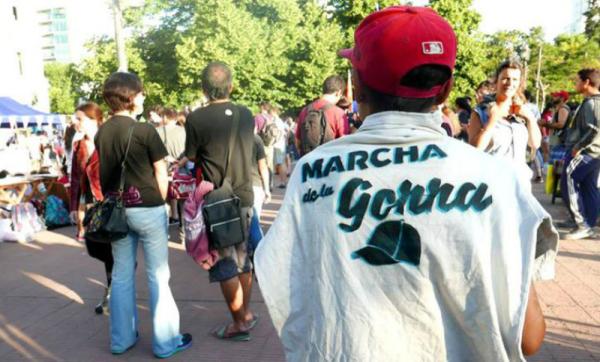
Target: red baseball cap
{"x":560,"y":94}
{"x":391,"y":42}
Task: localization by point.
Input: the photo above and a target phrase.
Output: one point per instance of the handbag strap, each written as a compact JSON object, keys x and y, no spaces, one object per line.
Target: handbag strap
{"x":123,"y":163}
{"x":232,"y":136}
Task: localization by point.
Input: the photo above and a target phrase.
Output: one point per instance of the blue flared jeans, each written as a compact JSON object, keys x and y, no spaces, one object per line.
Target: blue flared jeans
{"x":148,"y":226}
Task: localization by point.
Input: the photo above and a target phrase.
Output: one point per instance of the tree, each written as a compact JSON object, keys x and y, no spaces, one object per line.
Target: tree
{"x":279,"y":50}
{"x":349,"y":13}
{"x":62,"y":93}
{"x":95,"y":69}
{"x":563,"y":59}
{"x":471,"y":53}
{"x":592,"y":21}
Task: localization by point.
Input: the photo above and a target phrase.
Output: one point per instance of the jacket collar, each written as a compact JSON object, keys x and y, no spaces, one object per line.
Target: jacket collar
{"x":428,"y":122}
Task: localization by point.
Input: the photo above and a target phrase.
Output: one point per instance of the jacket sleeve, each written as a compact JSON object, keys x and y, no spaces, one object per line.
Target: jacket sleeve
{"x":591,"y":122}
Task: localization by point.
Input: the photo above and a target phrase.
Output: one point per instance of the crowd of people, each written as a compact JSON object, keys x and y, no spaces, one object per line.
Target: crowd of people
{"x":386,"y":240}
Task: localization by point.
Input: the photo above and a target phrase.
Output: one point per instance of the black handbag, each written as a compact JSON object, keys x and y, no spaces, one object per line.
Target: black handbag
{"x":222,"y":211}
{"x":106,"y":221}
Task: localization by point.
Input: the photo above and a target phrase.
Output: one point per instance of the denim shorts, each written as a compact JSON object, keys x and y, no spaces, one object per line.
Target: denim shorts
{"x":233,"y":260}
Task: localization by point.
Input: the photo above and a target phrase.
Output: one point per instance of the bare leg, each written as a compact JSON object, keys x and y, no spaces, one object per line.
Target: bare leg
{"x":234,"y":297}
{"x":80,"y":216}
{"x":288,"y":163}
{"x":246,"y":281}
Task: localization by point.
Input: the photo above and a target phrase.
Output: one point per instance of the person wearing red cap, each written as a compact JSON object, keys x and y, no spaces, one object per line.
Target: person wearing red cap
{"x":397,"y":242}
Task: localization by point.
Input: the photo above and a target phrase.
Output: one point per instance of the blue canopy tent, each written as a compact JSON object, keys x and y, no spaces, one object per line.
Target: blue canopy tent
{"x":16,"y":115}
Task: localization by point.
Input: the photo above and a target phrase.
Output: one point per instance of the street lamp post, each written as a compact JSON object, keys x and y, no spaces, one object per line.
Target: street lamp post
{"x":119,"y":38}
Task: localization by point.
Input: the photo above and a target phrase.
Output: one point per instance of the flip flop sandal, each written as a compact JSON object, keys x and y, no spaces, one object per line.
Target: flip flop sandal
{"x":253,"y":322}
{"x":235,"y":336}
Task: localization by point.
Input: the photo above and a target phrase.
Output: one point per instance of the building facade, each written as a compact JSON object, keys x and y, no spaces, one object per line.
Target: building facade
{"x":55,"y":35}
{"x":22,"y":65}
{"x":36,"y":32}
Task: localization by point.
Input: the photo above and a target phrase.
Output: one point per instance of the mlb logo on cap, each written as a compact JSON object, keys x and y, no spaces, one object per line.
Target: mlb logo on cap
{"x":390,"y":43}
{"x":433,"y":47}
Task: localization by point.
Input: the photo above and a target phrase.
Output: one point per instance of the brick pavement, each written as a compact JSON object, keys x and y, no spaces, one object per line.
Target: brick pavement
{"x":48,"y":290}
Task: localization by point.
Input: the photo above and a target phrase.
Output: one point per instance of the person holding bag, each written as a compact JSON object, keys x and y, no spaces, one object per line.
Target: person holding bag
{"x":220,"y":139}
{"x":505,"y":128}
{"x":133,"y":173}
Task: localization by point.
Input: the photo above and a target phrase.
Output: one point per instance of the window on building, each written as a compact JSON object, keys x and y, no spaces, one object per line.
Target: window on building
{"x":15,"y":13}
{"x":60,"y":39}
{"x":48,"y":54}
{"x":59,"y":25}
{"x":20,"y":60}
{"x":58,"y":13}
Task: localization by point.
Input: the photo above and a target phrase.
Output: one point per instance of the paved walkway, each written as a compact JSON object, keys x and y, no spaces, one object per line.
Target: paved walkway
{"x":48,"y":290}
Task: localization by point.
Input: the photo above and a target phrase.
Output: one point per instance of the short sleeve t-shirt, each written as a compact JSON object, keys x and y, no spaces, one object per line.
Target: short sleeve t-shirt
{"x":258,"y":153}
{"x":145,"y":149}
{"x":173,"y":136}
{"x":336,"y":119}
{"x":208,"y":131}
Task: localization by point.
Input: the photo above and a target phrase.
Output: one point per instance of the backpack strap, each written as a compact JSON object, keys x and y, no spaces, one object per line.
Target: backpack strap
{"x":325,"y":124}
{"x":124,"y":163}
{"x":232,"y":137}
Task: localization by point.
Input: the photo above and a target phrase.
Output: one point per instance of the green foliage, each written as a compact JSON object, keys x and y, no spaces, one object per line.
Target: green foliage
{"x":503,"y":45}
{"x":592,"y":21}
{"x":349,"y":13}
{"x":471,"y":54}
{"x":94,"y":70}
{"x":565,"y":57}
{"x":282,"y":50}
{"x":62,"y":94}
{"x":279,"y":50}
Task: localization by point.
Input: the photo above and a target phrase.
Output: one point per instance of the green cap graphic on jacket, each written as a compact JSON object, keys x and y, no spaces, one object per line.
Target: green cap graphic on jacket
{"x":392,"y":242}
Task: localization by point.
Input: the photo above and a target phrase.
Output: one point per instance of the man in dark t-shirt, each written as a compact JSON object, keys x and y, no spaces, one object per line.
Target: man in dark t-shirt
{"x":207,"y":140}
{"x":208,"y":132}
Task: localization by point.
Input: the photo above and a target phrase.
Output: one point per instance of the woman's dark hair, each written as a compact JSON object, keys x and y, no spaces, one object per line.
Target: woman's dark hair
{"x":120,"y":89}
{"x":69,"y":135}
{"x":550,"y":106}
{"x":216,"y":81}
{"x":464,"y":103}
{"x":92,"y":111}
{"x":423,"y":77}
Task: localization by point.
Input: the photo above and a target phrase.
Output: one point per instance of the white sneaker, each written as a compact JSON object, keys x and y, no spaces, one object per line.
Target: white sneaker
{"x":580,"y":233}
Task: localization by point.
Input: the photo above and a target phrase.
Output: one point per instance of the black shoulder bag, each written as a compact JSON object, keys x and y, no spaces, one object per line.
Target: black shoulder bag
{"x":222,"y":210}
{"x":106,"y":221}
